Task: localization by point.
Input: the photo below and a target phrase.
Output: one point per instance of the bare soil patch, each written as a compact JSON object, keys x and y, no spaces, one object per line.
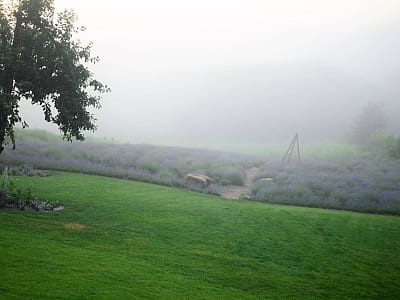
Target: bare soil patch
{"x":74,"y":226}
{"x":234,"y":191}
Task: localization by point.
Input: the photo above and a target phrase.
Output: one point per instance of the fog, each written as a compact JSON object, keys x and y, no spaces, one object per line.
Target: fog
{"x":239,"y":71}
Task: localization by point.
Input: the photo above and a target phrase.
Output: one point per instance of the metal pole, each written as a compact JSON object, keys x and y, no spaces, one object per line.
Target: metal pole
{"x":298,"y":146}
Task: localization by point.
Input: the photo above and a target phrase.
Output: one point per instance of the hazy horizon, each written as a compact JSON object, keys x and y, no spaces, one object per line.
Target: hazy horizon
{"x":239,"y":71}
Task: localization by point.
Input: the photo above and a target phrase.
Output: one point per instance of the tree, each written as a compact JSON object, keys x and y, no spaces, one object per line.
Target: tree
{"x":371,"y":120}
{"x":42,"y":62}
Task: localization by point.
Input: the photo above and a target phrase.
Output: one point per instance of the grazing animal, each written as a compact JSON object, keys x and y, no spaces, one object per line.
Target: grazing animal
{"x":197,"y":180}
{"x":208,"y":179}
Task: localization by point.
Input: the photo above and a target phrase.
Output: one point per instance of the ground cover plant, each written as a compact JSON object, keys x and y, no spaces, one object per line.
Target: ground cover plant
{"x":119,"y":239}
{"x":13,"y":197}
{"x":25,"y":170}
{"x":149,"y":163}
{"x":354,"y":184}
{"x":329,"y":149}
{"x":338,"y":176}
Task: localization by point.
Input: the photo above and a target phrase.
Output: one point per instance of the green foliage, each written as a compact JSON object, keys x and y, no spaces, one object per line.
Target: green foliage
{"x":35,"y":135}
{"x":27,"y":170}
{"x":235,"y":179}
{"x":392,"y":147}
{"x":244,"y":197}
{"x":152,"y":167}
{"x":168,"y":177}
{"x":371,"y":120}
{"x":384,"y":146}
{"x":141,"y":241}
{"x":226,"y":175}
{"x":13,"y":196}
{"x":41,"y":61}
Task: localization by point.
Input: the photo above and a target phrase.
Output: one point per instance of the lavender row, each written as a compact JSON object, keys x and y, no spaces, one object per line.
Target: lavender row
{"x":157,"y":164}
{"x":360,"y":185}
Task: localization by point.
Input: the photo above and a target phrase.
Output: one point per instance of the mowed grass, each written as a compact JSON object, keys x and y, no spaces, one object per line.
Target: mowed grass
{"x":119,"y":239}
{"x":332,"y":150}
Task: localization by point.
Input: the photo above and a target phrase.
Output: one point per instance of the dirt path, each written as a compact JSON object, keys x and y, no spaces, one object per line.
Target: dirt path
{"x":234,"y":191}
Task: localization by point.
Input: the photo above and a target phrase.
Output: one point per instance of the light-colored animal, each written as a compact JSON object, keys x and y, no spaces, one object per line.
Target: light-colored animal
{"x":267,"y":180}
{"x":197,"y":180}
{"x":208,"y":179}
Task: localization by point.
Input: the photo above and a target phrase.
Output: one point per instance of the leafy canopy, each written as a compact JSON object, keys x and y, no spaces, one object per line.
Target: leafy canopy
{"x":42,"y":62}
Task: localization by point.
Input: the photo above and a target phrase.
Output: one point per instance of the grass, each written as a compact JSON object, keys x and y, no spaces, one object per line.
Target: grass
{"x":34,"y":135}
{"x":329,"y":149}
{"x":118,"y":239}
{"x":148,"y":163}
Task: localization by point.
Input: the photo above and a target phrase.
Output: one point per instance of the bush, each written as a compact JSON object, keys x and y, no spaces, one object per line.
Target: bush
{"x":235,"y":179}
{"x":384,"y":146}
{"x":26,"y":170}
{"x":13,"y":197}
{"x":393,"y":147}
{"x":226,"y":175}
{"x":149,"y":166}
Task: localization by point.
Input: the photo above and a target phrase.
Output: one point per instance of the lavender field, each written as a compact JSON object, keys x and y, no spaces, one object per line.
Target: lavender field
{"x":148,"y":163}
{"x":353,"y":184}
{"x":346,"y":182}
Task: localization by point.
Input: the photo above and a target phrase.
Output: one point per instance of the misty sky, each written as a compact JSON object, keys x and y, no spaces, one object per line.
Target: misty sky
{"x":240,"y":70}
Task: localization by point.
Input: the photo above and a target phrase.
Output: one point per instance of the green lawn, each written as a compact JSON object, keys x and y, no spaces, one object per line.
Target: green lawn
{"x":123,"y":240}
{"x":320,"y":150}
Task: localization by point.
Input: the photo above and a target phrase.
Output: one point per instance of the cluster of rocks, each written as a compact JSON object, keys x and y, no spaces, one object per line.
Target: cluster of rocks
{"x":13,"y":198}
{"x":26,"y":170}
{"x":7,"y":202}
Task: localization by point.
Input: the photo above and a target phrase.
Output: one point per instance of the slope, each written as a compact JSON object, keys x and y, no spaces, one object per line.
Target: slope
{"x":118,"y":239}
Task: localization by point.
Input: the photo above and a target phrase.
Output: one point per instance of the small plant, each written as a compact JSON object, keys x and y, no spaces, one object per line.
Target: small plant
{"x":244,"y":197}
{"x":149,"y":166}
{"x":9,"y":193}
{"x":13,"y":197}
{"x":27,"y":170}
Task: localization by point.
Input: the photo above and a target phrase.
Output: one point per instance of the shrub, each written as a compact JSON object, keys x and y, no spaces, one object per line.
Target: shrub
{"x":13,"y":197}
{"x":235,"y":179}
{"x":392,"y":147}
{"x":149,"y":166}
{"x":27,"y":170}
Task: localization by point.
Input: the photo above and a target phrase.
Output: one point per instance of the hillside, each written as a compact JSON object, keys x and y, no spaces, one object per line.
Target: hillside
{"x":121,"y":239}
{"x":329,"y":175}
